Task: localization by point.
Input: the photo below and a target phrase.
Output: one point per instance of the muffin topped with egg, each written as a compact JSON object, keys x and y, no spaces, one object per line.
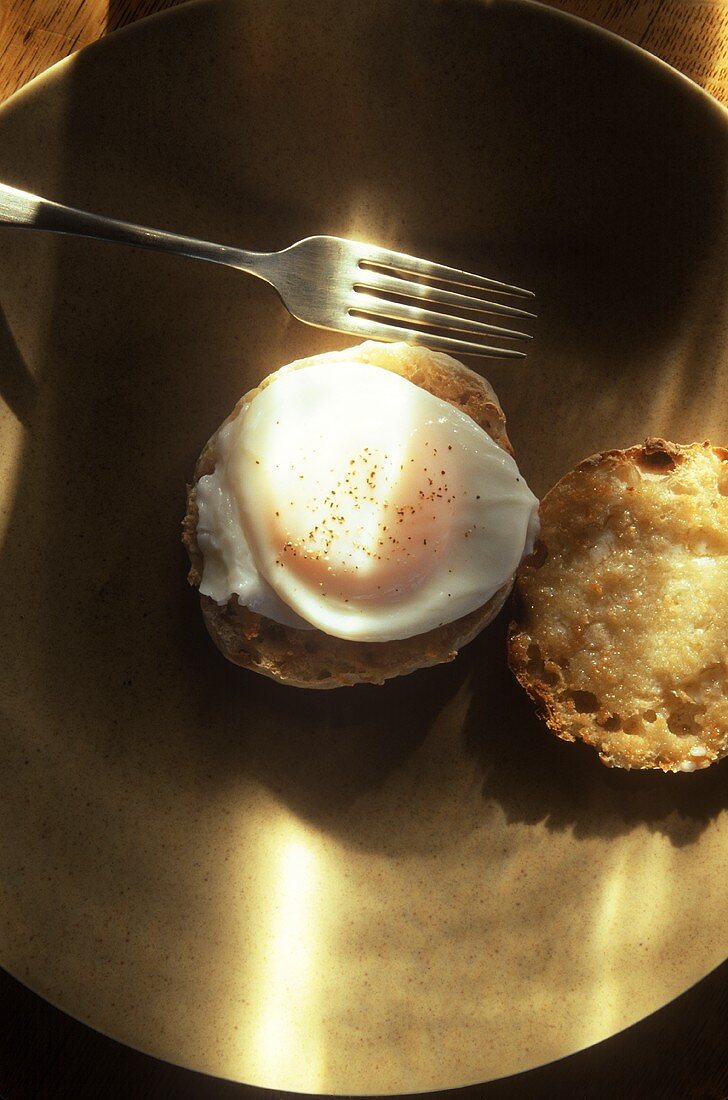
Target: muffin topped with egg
{"x":359,"y":515}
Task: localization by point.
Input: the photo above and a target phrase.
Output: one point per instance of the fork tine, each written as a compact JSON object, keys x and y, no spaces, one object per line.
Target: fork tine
{"x":377,"y":330}
{"x":413,"y":265}
{"x":405,"y":288}
{"x":396,"y":311}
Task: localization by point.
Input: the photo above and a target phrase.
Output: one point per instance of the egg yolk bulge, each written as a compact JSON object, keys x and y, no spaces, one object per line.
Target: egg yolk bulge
{"x":373,"y":509}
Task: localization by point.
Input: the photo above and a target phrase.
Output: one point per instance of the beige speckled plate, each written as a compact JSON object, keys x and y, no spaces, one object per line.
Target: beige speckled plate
{"x":376,"y":889}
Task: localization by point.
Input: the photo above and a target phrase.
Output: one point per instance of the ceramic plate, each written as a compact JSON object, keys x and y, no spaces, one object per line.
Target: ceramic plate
{"x":374,"y":889}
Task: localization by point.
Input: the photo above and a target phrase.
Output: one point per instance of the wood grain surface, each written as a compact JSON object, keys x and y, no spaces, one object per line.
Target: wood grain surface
{"x":691,"y":35}
{"x":680,"y":1053}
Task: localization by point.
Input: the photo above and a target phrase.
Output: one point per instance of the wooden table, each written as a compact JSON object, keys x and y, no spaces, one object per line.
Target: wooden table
{"x":692,"y":35}
{"x":679,"y":1053}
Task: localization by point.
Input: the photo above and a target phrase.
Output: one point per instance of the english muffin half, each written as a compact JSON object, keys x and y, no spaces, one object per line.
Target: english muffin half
{"x":621,"y":627}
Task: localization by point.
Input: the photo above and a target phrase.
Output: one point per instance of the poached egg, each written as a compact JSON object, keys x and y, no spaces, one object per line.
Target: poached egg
{"x":347,"y":499}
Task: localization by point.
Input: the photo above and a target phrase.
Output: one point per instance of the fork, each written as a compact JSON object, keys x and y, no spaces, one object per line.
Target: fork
{"x":329,"y":282}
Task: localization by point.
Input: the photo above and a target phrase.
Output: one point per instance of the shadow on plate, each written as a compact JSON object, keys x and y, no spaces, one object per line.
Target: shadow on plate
{"x":535,"y":777}
{"x":387,"y":767}
{"x":17,"y":388}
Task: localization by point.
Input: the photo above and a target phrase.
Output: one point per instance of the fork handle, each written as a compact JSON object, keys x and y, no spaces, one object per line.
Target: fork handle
{"x":27,"y":211}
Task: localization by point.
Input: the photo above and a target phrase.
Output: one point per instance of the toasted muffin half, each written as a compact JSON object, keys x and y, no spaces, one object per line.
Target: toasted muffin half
{"x":311,"y":658}
{"x":621,"y":627}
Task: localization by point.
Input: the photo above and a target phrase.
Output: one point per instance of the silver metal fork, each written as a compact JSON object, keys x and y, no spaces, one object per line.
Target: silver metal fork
{"x":329,"y":282}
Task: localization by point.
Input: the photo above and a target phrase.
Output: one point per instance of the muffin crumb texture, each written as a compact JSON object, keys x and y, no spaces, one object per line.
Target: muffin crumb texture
{"x":621,"y":635}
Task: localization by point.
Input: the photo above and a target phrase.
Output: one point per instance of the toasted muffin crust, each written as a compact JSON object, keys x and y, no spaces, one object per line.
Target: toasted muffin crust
{"x":621,"y":628}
